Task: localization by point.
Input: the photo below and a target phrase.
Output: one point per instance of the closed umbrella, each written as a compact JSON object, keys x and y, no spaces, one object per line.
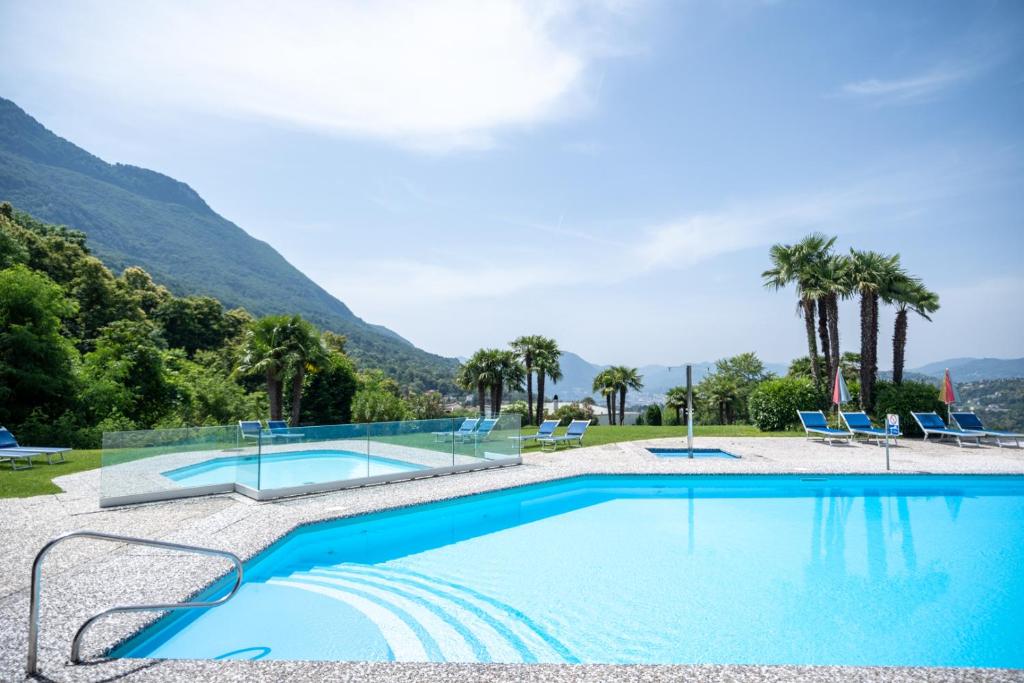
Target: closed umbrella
{"x":840,"y":394}
{"x":948,"y":396}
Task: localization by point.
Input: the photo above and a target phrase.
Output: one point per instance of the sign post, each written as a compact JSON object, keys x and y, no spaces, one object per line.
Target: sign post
{"x":892,"y":426}
{"x":689,"y":410}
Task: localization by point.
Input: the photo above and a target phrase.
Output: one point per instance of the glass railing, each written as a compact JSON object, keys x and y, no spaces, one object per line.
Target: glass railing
{"x":264,"y":463}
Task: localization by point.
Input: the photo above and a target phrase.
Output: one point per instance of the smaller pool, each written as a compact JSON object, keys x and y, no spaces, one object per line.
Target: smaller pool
{"x":283,"y":470}
{"x":697,"y":453}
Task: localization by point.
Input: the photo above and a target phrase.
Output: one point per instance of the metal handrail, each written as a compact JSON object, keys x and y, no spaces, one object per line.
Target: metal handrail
{"x":31,"y":666}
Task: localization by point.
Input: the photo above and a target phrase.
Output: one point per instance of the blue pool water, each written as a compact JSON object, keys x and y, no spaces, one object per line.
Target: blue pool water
{"x":898,"y":570}
{"x":697,"y":453}
{"x":282,"y":470}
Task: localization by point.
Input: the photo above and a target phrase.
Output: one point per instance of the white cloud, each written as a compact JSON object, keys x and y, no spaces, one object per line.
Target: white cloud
{"x":438,"y":75}
{"x":913,"y":88}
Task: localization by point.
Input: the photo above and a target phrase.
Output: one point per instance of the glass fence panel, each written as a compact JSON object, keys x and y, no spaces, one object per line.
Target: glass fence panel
{"x":304,"y":456}
{"x":412,"y":445}
{"x":140,"y":463}
{"x":495,"y":438}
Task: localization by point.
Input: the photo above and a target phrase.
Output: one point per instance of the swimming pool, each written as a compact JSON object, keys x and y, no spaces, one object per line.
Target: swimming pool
{"x":294,"y":468}
{"x":851,"y":570}
{"x":697,"y":453}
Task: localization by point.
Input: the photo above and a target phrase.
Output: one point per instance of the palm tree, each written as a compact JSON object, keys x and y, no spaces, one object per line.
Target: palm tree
{"x":796,"y":264}
{"x":869,"y":275}
{"x":604,"y":384}
{"x":831,"y":285}
{"x":675,"y":399}
{"x":275,"y":346}
{"x":508,"y":373}
{"x":527,"y":348}
{"x":547,"y":364}
{"x":472,"y":375}
{"x":908,"y":294}
{"x":623,"y":380}
{"x":306,"y":353}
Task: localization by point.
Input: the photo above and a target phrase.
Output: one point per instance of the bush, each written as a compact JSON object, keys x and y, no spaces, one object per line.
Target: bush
{"x":517,"y":408}
{"x":574,"y":411}
{"x":377,"y":405}
{"x":918,"y":397}
{"x":652,"y":416}
{"x":773,"y":403}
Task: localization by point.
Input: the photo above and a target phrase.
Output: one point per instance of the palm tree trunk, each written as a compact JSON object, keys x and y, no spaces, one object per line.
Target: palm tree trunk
{"x":833,"y":331}
{"x":540,"y":396}
{"x":529,"y":395}
{"x":826,"y":347}
{"x":481,"y":396}
{"x":297,"y":379}
{"x":622,"y":406}
{"x":494,"y":401}
{"x":865,"y":352}
{"x":812,"y":344}
{"x":274,"y":396}
{"x":873,"y":374}
{"x":499,"y":392}
{"x":899,"y":346}
{"x":610,"y":401}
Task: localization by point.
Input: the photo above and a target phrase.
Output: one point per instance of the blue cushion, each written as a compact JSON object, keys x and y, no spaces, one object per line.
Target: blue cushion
{"x":930,"y":421}
{"x":857,"y":420}
{"x":812,"y":419}
{"x":968,"y":420}
{"x":7,"y":439}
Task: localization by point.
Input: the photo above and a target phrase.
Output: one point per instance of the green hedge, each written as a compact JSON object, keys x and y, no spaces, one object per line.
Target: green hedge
{"x":773,"y":403}
{"x":652,"y":416}
{"x":919,"y":397}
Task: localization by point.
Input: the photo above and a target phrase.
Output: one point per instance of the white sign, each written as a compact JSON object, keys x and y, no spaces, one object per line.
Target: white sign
{"x":893,"y":423}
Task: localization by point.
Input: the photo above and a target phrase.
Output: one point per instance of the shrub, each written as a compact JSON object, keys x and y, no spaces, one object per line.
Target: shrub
{"x":652,"y":416}
{"x":774,"y":402}
{"x":378,"y":405}
{"x":574,"y":411}
{"x":516,"y":408}
{"x":902,"y":399}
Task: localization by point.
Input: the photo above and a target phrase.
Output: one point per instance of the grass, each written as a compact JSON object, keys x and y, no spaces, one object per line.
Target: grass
{"x":602,"y":434}
{"x":39,"y":480}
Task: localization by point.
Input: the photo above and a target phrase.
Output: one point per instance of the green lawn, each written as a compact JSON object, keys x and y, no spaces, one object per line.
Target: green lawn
{"x":602,"y":434}
{"x":39,"y":479}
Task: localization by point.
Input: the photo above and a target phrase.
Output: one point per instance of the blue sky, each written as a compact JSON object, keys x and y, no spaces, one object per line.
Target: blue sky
{"x":607,"y":173}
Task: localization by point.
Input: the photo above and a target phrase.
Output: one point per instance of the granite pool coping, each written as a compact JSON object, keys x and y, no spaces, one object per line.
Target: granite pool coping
{"x":85,"y":577}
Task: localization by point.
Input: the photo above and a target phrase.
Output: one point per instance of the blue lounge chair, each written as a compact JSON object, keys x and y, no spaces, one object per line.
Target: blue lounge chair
{"x":547,"y":428}
{"x":574,"y":432}
{"x":972,"y":423}
{"x":10,"y":450}
{"x":482,"y":432}
{"x":465,"y":429}
{"x":279,"y":429}
{"x":816,"y":426}
{"x":860,"y":423}
{"x":250,"y":429}
{"x":932,"y":425}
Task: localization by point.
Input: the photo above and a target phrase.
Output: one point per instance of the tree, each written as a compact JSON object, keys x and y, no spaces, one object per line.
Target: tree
{"x":675,"y":399}
{"x":907,"y":294}
{"x":329,"y":392}
{"x":100,"y":301}
{"x":526,"y":348}
{"x":831,"y":285}
{"x":547,"y":364}
{"x":604,"y":384}
{"x":799,"y":264}
{"x":729,"y":385}
{"x":192,"y":323}
{"x":36,"y":362}
{"x":870,"y":274}
{"x":376,"y":405}
{"x":280,"y":347}
{"x":139,"y":285}
{"x":472,"y":375}
{"x":624,"y":379}
{"x":508,"y":373}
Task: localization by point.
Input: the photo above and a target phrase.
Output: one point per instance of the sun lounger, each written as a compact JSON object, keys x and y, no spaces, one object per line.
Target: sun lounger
{"x":279,"y":430}
{"x":860,"y":423}
{"x":465,"y":429}
{"x":10,"y":450}
{"x":482,"y":432}
{"x":574,"y":432}
{"x":547,"y":428}
{"x":816,"y":426}
{"x":932,"y":425}
{"x":971,"y":422}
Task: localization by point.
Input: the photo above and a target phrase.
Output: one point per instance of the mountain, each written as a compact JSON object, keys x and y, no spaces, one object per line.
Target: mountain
{"x":578,"y":378}
{"x":135,"y":216}
{"x":975,"y":369}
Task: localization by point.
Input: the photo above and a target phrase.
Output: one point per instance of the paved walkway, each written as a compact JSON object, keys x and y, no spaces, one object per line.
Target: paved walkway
{"x":84,"y":577}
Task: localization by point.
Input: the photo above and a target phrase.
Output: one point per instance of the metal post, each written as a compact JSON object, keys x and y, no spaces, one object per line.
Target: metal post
{"x":689,"y":410}
{"x":887,"y":446}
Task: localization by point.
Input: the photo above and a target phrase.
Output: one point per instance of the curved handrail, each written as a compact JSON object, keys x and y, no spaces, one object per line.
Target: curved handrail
{"x":31,"y":666}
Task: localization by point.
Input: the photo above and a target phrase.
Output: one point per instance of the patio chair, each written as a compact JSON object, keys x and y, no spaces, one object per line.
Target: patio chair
{"x":482,"y":433}
{"x":860,"y":423}
{"x":972,"y":423}
{"x":250,"y":429}
{"x":279,"y":429}
{"x":574,"y":432}
{"x":932,"y":425}
{"x":547,"y":428}
{"x":816,"y":427}
{"x":10,"y":450}
{"x":465,"y":429}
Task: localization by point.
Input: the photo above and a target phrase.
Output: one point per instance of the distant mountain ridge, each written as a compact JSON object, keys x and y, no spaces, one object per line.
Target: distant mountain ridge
{"x":135,"y":216}
{"x":975,"y":369}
